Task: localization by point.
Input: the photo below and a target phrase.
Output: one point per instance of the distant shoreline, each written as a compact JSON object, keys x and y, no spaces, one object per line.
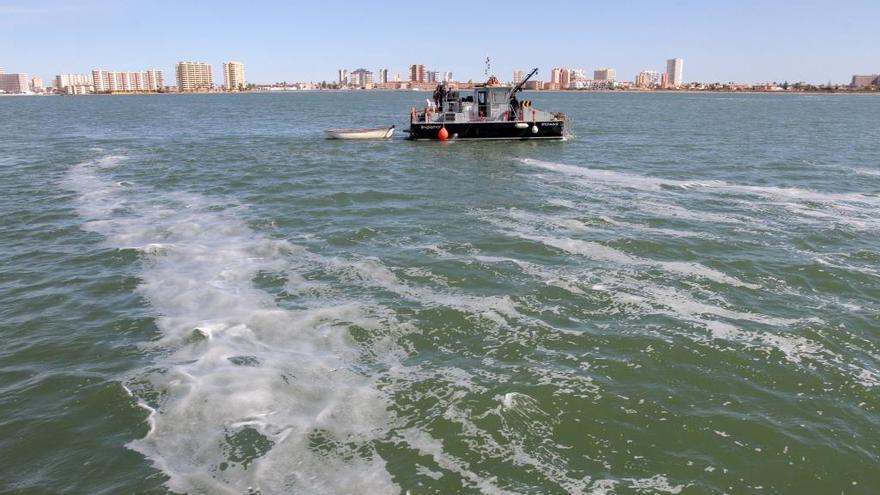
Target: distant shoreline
{"x":553,"y":91}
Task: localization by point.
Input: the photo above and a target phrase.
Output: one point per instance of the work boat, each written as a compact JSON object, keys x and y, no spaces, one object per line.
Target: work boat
{"x":488,"y":111}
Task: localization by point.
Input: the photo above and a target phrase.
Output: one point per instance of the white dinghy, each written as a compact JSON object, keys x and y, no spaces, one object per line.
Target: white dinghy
{"x":370,"y":133}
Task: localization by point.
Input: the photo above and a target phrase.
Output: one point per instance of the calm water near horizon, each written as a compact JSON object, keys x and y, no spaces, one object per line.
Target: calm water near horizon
{"x":200,"y":294}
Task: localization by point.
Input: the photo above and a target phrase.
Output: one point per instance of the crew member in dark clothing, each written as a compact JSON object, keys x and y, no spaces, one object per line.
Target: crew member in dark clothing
{"x":437,"y":96}
{"x":514,"y":108}
{"x":442,"y":90}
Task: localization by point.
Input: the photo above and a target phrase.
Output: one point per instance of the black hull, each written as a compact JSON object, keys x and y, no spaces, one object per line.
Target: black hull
{"x":488,"y":130}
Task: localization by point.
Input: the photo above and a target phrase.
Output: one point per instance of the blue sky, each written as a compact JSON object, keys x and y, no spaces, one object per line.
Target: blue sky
{"x":748,"y":41}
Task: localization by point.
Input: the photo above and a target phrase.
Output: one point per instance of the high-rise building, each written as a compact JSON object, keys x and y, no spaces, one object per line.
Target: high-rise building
{"x":554,"y":75}
{"x":518,"y":76}
{"x":151,"y":80}
{"x":604,"y":74}
{"x":37,"y":85}
{"x":233,"y":76}
{"x":675,"y":69}
{"x":564,"y":78}
{"x":194,"y":76}
{"x":578,"y":79}
{"x":417,"y":73}
{"x":647,"y":79}
{"x":13,"y":83}
{"x":155,"y":80}
{"x":664,"y":80}
{"x":343,"y":77}
{"x":361,"y":78}
{"x":433,"y":76}
{"x":383,"y":76}
{"x":74,"y":84}
{"x":447,"y":76}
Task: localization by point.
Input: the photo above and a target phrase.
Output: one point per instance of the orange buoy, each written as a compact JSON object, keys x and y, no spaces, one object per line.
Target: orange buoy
{"x":442,"y":134}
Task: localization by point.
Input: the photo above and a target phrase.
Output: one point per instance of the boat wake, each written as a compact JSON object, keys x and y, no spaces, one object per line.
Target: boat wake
{"x":245,"y":394}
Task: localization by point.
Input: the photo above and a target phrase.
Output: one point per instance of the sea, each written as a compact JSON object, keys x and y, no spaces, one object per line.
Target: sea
{"x":201,"y":294}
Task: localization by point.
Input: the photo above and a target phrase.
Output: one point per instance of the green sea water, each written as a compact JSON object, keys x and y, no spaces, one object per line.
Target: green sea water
{"x":200,"y":294}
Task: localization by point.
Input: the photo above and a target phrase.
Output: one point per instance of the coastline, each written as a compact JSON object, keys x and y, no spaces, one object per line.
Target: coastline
{"x":554,"y":91}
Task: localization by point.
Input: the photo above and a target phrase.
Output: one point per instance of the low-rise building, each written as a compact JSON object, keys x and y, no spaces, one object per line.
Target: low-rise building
{"x":865,"y":81}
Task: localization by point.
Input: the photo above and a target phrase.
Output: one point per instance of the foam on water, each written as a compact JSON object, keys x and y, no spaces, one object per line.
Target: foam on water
{"x":854,"y":209}
{"x":244,"y":393}
{"x":599,"y":252}
{"x":622,"y":277}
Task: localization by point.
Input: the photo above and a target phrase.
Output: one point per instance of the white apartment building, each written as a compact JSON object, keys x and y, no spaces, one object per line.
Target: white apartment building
{"x":361,"y":78}
{"x":675,"y":71}
{"x":74,"y":84}
{"x":151,"y":80}
{"x":233,"y":76}
{"x":647,"y":79}
{"x":194,"y":76}
{"x":578,"y":79}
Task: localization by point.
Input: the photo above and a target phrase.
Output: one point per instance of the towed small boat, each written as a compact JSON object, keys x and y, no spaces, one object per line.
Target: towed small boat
{"x":368,"y":133}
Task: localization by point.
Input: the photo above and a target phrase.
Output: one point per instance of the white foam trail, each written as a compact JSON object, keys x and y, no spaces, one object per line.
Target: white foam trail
{"x":427,"y":445}
{"x":628,"y":289}
{"x":602,"y":253}
{"x":647,"y":183}
{"x":246,"y":394}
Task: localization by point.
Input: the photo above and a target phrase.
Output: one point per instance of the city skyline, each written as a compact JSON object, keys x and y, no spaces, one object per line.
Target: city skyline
{"x":746,"y":42}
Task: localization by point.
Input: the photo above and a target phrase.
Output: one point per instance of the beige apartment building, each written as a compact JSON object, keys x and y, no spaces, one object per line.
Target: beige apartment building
{"x":605,"y":74}
{"x":233,"y":76}
{"x":194,"y":76}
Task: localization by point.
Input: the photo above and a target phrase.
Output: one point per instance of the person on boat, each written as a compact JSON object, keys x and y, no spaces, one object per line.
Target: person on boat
{"x":438,"y":97}
{"x":514,"y":107}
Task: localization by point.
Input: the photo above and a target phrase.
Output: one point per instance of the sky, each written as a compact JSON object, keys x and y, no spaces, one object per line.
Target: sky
{"x":741,"y":40}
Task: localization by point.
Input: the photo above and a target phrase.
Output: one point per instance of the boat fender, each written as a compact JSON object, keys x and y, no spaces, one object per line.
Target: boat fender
{"x":442,"y":134}
{"x":534,"y":129}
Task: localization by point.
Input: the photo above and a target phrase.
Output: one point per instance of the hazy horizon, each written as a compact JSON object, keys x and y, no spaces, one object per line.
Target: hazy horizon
{"x":742,"y":42}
